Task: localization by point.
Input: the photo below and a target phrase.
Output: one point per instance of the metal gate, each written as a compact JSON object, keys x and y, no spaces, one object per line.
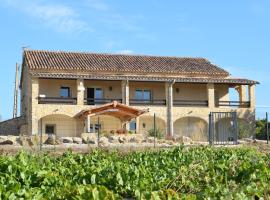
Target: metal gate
{"x":223,"y":128}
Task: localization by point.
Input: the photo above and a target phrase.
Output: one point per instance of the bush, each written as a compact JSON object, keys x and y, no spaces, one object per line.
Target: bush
{"x":159,"y":133}
{"x":121,"y":131}
{"x":261,"y":129}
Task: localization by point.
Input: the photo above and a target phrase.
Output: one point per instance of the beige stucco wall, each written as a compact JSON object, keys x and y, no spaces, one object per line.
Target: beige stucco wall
{"x":146,"y":123}
{"x":222,"y":92}
{"x":190,"y":91}
{"x":65,"y":125}
{"x":157,"y":89}
{"x":115,"y":93}
{"x":51,"y":87}
{"x":193,"y":127}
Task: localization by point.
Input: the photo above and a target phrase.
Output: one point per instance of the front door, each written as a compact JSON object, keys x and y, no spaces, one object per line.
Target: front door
{"x":90,"y":96}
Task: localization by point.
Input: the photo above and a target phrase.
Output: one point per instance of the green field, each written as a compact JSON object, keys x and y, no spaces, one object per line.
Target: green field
{"x":179,"y":173}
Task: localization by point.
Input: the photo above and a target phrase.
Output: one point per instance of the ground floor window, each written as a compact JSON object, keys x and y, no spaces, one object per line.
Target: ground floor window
{"x":132,"y":126}
{"x":94,"y":128}
{"x":50,"y":129}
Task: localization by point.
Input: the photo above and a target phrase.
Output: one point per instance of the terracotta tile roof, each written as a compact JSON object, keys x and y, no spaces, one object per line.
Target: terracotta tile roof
{"x":226,"y":80}
{"x":95,"y":62}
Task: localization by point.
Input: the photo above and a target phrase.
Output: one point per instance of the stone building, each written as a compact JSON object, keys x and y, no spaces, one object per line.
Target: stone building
{"x":56,"y":87}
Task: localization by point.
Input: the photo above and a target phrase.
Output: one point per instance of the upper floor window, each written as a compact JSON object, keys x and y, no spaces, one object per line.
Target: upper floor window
{"x":143,"y":95}
{"x":65,"y":92}
{"x":98,"y":93}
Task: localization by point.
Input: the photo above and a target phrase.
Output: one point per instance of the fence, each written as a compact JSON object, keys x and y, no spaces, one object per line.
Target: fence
{"x":223,"y":128}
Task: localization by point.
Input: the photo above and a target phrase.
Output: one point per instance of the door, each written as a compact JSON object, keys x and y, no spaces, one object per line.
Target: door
{"x":90,"y":96}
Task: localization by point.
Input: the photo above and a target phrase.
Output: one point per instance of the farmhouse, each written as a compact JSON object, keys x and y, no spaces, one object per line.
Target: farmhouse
{"x":70,"y":93}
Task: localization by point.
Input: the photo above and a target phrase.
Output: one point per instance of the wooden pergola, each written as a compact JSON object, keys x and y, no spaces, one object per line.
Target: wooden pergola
{"x":123,"y":112}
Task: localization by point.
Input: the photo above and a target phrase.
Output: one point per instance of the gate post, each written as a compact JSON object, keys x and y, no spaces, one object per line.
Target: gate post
{"x":234,"y":115}
{"x":210,"y":131}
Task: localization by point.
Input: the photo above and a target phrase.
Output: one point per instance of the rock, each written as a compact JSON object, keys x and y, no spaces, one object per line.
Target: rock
{"x":8,"y":140}
{"x":52,"y":140}
{"x":170,"y":142}
{"x":77,"y":140}
{"x":104,"y":141}
{"x":67,"y":139}
{"x":122,"y":139}
{"x":113,"y":139}
{"x":89,"y":138}
{"x":137,"y":138}
{"x":150,"y":139}
{"x":184,"y":140}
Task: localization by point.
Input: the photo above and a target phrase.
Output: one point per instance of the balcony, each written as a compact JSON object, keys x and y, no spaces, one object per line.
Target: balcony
{"x":98,"y":101}
{"x":57,"y":100}
{"x":138,"y":102}
{"x":191,"y":103}
{"x":238,"y":104}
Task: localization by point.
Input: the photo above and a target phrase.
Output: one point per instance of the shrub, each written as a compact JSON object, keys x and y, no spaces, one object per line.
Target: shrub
{"x":159,"y":133}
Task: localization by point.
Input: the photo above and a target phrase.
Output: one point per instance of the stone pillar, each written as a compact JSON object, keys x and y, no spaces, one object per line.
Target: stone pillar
{"x":169,"y":104}
{"x":252,"y":96}
{"x":125,"y":97}
{"x":80,"y":92}
{"x":125,"y":92}
{"x":33,"y":101}
{"x":211,"y":95}
{"x":88,"y":123}
{"x":242,"y":91}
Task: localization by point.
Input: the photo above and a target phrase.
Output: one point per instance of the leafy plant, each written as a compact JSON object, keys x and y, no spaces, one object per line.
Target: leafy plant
{"x":159,"y":133}
{"x":179,"y":173}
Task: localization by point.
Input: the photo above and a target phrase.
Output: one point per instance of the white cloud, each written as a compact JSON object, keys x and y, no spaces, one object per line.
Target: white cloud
{"x":57,"y":16}
{"x":125,"y":52}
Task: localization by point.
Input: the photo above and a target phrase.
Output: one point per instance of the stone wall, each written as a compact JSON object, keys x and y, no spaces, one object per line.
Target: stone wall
{"x":11,"y":126}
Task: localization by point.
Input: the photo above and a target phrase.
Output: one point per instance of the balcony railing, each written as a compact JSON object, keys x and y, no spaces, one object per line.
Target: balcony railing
{"x":191,"y":103}
{"x":147,"y":102}
{"x":94,"y":101}
{"x":57,"y":100}
{"x":239,"y":104}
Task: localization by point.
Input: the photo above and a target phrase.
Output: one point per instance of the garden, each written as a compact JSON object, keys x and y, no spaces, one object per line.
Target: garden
{"x":177,"y":173}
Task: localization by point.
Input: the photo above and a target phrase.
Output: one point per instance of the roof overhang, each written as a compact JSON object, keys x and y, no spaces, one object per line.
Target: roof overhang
{"x":226,"y":80}
{"x":123,"y":112}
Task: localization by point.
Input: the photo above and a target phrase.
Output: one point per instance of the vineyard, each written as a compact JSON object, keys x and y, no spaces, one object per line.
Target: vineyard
{"x":179,"y":173}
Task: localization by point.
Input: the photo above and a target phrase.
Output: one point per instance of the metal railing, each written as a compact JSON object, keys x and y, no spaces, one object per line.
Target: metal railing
{"x":94,"y":101}
{"x":57,"y":100}
{"x":200,"y":103}
{"x":239,"y":104}
{"x":147,"y":102}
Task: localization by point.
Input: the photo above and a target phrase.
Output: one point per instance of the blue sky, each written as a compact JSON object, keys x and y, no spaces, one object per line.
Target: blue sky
{"x":233,"y":34}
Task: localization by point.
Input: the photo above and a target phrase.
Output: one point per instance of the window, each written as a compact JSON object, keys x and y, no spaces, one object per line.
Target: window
{"x":94,"y":128}
{"x":65,"y":92}
{"x":132,"y":126}
{"x":50,"y":129}
{"x":143,"y":95}
{"x":98,"y":93}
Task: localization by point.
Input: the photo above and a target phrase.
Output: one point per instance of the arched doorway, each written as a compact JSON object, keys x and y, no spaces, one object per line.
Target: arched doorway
{"x":146,"y":124}
{"x":108,"y":124}
{"x":192,"y":127}
{"x":59,"y":125}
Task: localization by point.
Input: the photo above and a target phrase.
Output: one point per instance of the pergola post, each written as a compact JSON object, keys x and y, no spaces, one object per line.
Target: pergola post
{"x":125,"y":98}
{"x":169,"y":103}
{"x":88,"y":124}
{"x":137,"y":125}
